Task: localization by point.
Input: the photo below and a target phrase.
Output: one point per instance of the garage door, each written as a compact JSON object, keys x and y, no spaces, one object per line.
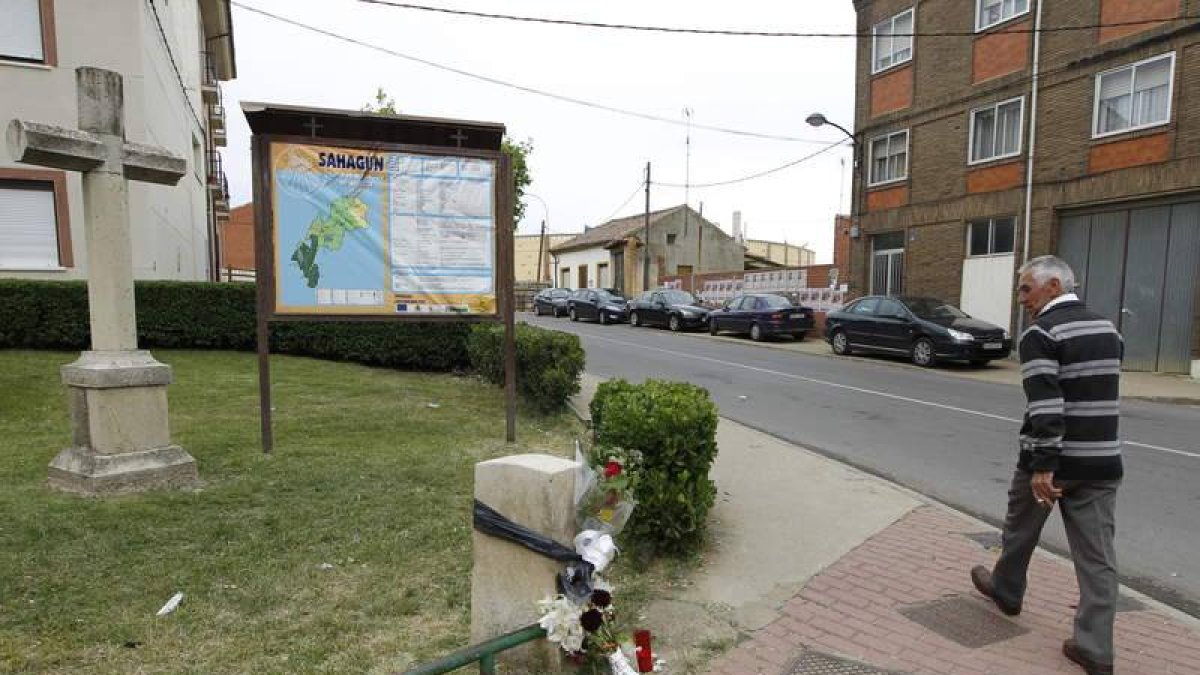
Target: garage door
{"x":1138,"y":267}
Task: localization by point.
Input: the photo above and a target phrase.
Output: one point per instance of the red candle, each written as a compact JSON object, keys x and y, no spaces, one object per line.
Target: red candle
{"x":645,"y":657}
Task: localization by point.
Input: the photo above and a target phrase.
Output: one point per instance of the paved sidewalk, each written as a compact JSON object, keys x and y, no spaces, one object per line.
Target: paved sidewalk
{"x":870,"y":606}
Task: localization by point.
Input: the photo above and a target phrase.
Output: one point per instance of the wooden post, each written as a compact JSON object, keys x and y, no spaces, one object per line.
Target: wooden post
{"x":504,"y":225}
{"x":264,"y":283}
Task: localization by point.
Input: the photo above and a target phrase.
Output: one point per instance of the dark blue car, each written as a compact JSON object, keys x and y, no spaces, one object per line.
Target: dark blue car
{"x":761,"y":315}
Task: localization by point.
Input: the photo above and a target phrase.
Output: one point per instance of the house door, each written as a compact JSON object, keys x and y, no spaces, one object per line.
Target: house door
{"x":887,"y":263}
{"x":582,"y":277}
{"x":618,"y":263}
{"x":1138,"y":268}
{"x":602,"y":275}
{"x":564,"y":277}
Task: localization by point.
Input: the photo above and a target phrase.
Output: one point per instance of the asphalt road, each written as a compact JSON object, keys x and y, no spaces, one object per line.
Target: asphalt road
{"x":947,"y":437}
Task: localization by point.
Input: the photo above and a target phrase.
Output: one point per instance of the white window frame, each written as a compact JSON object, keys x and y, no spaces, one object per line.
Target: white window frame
{"x":912,"y":47}
{"x":1132,"y":84}
{"x":871,"y":182}
{"x":991,"y":225}
{"x":971,"y":161}
{"x":980,"y":26}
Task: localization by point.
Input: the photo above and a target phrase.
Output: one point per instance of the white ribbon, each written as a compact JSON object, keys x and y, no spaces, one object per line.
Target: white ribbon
{"x":596,"y":547}
{"x":620,"y":664}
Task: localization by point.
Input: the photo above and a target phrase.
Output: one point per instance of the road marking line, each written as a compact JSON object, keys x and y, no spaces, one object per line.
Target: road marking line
{"x":861,"y":390}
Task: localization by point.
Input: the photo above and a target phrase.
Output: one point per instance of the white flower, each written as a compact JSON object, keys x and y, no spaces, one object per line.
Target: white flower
{"x":560,"y":619}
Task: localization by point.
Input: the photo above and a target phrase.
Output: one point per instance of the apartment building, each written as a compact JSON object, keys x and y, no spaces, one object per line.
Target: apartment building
{"x":172,"y":56}
{"x":1007,"y":129}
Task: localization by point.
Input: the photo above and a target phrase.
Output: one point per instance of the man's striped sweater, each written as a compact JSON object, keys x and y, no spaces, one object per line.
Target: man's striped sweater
{"x":1071,"y":369}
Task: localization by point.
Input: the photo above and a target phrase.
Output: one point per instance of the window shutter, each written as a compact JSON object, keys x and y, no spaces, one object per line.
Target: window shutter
{"x":1115,"y":84}
{"x":21,"y":30}
{"x":28,"y":229}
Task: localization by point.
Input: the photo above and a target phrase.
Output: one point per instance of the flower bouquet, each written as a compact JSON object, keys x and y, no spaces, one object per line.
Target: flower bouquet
{"x":587,"y":631}
{"x":607,"y":500}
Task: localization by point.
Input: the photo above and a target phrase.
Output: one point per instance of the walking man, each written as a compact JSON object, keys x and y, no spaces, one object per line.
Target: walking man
{"x":1070,"y":455}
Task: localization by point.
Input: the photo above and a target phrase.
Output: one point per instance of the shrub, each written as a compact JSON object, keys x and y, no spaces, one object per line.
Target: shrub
{"x":549,"y":363}
{"x":673,"y":425}
{"x":201,"y":315}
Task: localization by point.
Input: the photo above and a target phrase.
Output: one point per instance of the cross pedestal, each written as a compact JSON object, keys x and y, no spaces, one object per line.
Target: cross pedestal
{"x":117,"y":394}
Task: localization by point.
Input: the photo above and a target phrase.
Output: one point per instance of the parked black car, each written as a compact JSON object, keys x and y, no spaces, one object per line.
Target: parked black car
{"x":926,"y":330}
{"x":551,"y":301}
{"x":761,"y":315}
{"x":675,"y":309}
{"x":596,"y":303}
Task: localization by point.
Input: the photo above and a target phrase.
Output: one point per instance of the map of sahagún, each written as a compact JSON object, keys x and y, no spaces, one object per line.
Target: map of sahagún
{"x":367,"y":232}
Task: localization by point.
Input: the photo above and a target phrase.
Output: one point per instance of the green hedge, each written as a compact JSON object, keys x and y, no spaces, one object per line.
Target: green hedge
{"x":200,"y":315}
{"x":673,"y":426}
{"x":549,"y":363}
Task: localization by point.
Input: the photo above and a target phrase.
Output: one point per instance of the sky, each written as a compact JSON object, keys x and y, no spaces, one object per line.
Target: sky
{"x":588,"y":164}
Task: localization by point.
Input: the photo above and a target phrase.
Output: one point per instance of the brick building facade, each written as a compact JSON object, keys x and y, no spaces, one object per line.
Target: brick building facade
{"x":946,"y":120}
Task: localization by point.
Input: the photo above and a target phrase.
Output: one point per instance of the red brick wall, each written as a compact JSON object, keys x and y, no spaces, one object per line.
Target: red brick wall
{"x":995,"y":178}
{"x":890,"y":198}
{"x":1124,"y":11}
{"x":1001,"y":52}
{"x":237,"y":239}
{"x":892,"y":91}
{"x":841,"y":243}
{"x":1131,"y":152}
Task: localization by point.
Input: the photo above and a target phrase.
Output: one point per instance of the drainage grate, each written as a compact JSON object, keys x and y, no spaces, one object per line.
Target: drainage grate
{"x":988,"y":540}
{"x":816,"y":663}
{"x":962,"y":620}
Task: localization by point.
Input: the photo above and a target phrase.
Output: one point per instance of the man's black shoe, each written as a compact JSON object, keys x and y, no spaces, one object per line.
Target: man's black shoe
{"x":1071,"y":651}
{"x":982,"y":578}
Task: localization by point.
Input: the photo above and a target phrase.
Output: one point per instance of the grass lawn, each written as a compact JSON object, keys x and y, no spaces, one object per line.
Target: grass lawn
{"x":366,"y":477}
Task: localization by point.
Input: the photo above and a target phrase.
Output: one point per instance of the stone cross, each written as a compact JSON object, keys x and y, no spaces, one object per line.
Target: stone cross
{"x":117,"y":392}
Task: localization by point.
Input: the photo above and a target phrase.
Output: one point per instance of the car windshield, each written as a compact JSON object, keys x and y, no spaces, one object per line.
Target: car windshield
{"x":605,"y":296}
{"x":559,"y":294}
{"x":678,"y":298}
{"x":775,"y":302}
{"x":930,"y":308}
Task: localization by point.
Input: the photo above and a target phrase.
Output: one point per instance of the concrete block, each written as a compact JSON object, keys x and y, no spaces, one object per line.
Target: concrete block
{"x":152,"y":164}
{"x":56,"y":147}
{"x":86,"y":472}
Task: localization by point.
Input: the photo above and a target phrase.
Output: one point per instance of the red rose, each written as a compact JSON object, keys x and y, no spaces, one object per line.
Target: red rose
{"x":612,"y":469}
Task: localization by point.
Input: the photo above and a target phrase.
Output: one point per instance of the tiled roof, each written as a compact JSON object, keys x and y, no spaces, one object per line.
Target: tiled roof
{"x":613,"y":230}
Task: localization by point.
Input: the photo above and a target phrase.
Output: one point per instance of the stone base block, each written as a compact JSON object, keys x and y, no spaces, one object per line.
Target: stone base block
{"x":83,"y":471}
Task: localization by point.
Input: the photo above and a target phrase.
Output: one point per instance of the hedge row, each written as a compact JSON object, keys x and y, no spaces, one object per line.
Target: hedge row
{"x":549,"y":363}
{"x":198,"y":315}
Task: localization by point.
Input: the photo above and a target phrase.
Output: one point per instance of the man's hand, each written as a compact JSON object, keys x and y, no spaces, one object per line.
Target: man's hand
{"x":1044,"y":489}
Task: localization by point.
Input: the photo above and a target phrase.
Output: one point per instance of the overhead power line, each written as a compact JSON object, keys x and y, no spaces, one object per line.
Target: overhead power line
{"x":187,"y":101}
{"x":519,"y":87}
{"x":640,"y":185}
{"x":759,"y":174}
{"x":746,"y":33}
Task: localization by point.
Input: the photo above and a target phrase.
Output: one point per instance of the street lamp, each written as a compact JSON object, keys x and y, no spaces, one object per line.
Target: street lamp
{"x":819,"y":120}
{"x":542,"y":238}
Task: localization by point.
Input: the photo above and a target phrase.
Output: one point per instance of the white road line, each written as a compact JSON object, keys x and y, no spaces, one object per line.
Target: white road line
{"x":861,"y":390}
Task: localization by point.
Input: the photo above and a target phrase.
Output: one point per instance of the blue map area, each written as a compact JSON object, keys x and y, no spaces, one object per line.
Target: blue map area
{"x":355,"y":258}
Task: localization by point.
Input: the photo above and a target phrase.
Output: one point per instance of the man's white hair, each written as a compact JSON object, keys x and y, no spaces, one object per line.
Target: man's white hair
{"x":1047,"y":267}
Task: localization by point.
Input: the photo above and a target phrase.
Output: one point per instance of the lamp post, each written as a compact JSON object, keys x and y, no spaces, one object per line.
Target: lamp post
{"x":819,"y":120}
{"x":542,"y":238}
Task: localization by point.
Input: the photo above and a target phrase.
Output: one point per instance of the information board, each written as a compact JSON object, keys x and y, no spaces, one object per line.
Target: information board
{"x":367,"y":232}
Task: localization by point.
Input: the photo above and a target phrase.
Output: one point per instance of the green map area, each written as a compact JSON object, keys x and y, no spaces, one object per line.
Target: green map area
{"x":346,"y":214}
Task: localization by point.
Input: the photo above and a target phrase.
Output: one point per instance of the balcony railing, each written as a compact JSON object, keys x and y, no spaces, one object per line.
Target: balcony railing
{"x":210,"y":87}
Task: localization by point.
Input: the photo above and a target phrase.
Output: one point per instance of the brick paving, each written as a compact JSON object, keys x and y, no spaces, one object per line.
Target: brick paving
{"x":851,"y":609}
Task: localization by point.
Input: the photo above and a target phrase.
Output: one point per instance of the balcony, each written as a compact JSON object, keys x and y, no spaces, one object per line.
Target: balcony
{"x":210,"y":88}
{"x":218,"y":187}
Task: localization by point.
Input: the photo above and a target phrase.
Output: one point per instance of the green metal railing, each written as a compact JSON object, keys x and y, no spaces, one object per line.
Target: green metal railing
{"x":484,"y":653}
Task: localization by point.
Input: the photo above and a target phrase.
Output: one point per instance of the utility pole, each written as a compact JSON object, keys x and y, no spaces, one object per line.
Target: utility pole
{"x":646,"y":237}
{"x":541,"y":244}
{"x":699,"y":248}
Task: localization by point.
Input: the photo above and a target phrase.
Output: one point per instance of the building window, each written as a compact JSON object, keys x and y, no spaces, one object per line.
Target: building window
{"x":670,"y":240}
{"x":889,"y":158}
{"x":988,"y":13}
{"x":892,"y":42}
{"x":21,"y":37}
{"x":996,"y":131}
{"x":991,"y":236}
{"x":29,"y":232}
{"x":887,"y":263}
{"x":1134,"y":96}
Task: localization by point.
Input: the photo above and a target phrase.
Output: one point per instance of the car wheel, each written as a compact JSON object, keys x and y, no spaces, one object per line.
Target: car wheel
{"x":537,"y":310}
{"x":756,"y":333}
{"x":572,"y":314}
{"x":603,"y":318}
{"x":634,"y":320}
{"x":674,"y":324}
{"x":840,"y":343}
{"x":712,"y":327}
{"x":922,"y":353}
{"x":800,"y":335}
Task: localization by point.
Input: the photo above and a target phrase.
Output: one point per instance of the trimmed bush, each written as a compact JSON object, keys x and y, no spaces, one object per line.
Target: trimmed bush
{"x":673,"y":425}
{"x":201,"y":315}
{"x":549,"y":363}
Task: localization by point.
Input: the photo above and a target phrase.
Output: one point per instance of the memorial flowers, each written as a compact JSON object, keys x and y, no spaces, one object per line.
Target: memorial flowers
{"x":588,"y":632}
